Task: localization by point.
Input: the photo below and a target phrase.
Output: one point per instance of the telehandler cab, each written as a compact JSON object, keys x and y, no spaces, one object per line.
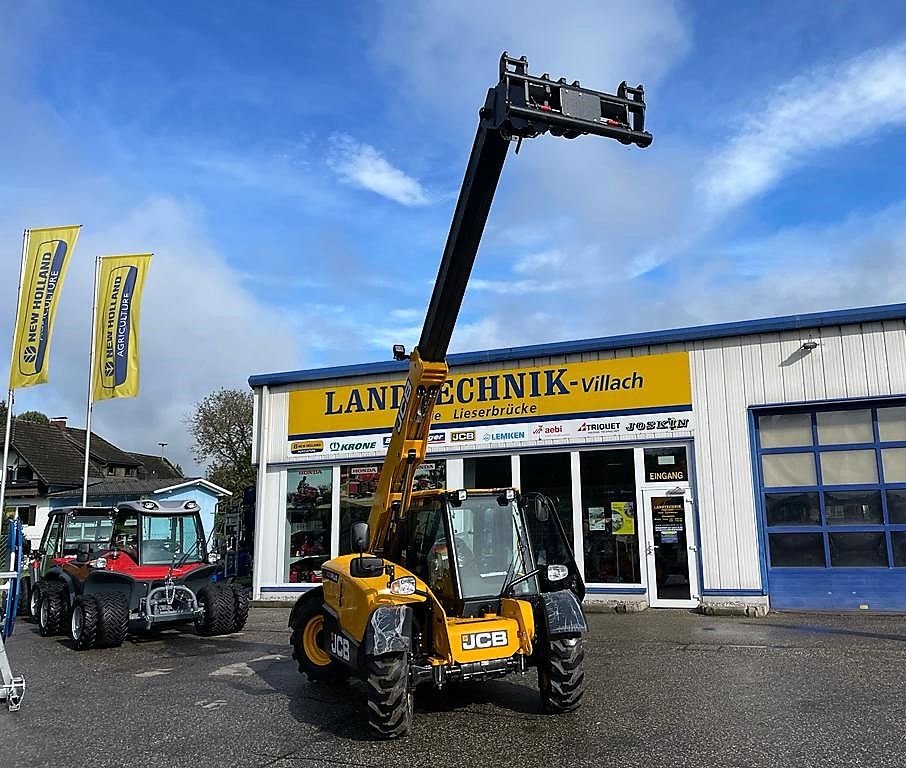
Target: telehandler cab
{"x":464,"y":584}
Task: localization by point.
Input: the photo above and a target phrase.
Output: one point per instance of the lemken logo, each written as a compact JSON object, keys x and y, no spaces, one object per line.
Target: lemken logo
{"x":475,"y":641}
{"x":336,"y":445}
{"x":504,"y":436}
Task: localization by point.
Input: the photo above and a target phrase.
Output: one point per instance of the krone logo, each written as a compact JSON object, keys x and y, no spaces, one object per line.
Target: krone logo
{"x":478,"y":640}
{"x":30,"y":354}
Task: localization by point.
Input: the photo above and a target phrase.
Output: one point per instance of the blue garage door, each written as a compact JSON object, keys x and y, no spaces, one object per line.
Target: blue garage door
{"x":832,"y":489}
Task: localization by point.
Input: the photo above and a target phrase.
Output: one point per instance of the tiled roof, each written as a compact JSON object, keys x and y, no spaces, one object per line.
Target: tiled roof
{"x":101,"y":450}
{"x":156,"y":466}
{"x":54,"y":457}
{"x":122,"y":486}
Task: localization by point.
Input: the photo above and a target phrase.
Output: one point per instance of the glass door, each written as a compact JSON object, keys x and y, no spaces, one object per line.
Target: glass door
{"x":670,"y":549}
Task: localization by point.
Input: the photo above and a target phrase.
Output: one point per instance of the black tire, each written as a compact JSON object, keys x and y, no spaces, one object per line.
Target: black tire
{"x":240,"y":607}
{"x":113,"y":619}
{"x":84,"y":622}
{"x":390,"y":702}
{"x":34,"y":602}
{"x":561,"y":675}
{"x":307,"y":631}
{"x":52,"y":610}
{"x":24,"y":606}
{"x":217,"y":610}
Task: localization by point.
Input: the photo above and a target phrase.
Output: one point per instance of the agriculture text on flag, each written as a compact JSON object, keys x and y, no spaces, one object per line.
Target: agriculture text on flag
{"x":120,"y":282}
{"x":46,"y":256}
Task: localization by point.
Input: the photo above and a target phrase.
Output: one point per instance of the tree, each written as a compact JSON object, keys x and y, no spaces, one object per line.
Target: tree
{"x":221,"y":426}
{"x":35,"y":417}
{"x":2,"y":411}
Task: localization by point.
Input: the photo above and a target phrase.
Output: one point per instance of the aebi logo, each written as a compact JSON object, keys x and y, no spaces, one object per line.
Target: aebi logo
{"x":339,"y":646}
{"x":475,"y":641}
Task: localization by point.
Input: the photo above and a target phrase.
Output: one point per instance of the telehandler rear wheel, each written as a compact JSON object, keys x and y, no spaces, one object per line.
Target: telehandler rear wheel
{"x":561,"y":675}
{"x":307,"y":640}
{"x":390,"y":702}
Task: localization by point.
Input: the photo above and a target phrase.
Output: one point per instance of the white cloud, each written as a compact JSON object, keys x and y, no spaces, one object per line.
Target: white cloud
{"x":815,"y":112}
{"x":361,"y":165}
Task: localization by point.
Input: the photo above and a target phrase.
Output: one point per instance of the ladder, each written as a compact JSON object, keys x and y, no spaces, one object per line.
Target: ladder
{"x":12,"y":687}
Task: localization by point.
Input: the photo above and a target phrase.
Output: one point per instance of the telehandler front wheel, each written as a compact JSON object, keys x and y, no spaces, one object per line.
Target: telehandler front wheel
{"x":308,"y":644}
{"x":561,"y":674}
{"x":390,"y":702}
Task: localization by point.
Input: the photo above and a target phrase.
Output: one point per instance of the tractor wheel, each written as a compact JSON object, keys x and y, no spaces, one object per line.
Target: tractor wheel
{"x":240,"y":606}
{"x":390,"y":702}
{"x":34,"y":602}
{"x":113,"y":619}
{"x":52,"y":609}
{"x":84,"y":622}
{"x":24,"y":607}
{"x":561,"y":675}
{"x":217,"y":610}
{"x":307,"y":641}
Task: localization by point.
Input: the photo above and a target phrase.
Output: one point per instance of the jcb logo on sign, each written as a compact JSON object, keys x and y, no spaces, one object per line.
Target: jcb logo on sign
{"x":478,"y":640}
{"x":339,"y":646}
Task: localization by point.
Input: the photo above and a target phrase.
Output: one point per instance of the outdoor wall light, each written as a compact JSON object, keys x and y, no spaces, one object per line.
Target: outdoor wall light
{"x":809,"y":345}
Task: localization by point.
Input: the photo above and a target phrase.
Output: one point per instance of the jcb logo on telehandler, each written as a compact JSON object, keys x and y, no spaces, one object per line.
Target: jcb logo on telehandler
{"x":477,"y":640}
{"x":339,"y":646}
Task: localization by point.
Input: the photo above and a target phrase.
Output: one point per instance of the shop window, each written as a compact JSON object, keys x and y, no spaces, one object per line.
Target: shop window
{"x":858,"y":550}
{"x":896,"y":506}
{"x":782,"y":470}
{"x":308,"y":513}
{"x":550,"y":474}
{"x":666,"y":465}
{"x":359,"y":483}
{"x":488,"y":472}
{"x":853,"y":508}
{"x":797,"y":550}
{"x":610,"y":530}
{"x":848,"y":467}
{"x":844,"y":427}
{"x":787,"y":430}
{"x":792,"y":508}
{"x":892,"y":424}
{"x":894,"y":463}
{"x":898,"y":540}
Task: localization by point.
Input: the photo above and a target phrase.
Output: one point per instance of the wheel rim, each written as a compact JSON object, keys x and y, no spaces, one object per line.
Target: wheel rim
{"x":77,"y":622}
{"x":45,"y":613}
{"x":33,"y":605}
{"x":311,"y":642}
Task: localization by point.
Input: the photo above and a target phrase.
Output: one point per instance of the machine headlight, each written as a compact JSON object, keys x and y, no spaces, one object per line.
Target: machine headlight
{"x":405,"y":585}
{"x":557,"y":572}
{"x":101,"y":562}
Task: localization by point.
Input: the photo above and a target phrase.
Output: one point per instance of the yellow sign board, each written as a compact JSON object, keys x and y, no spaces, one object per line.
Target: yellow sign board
{"x":623,"y":384}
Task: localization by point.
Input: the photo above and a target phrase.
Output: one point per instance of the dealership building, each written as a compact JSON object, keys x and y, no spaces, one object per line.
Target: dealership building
{"x":750,"y":465}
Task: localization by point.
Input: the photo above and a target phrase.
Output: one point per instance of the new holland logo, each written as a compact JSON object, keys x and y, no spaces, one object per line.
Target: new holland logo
{"x":30,"y":354}
{"x":475,"y":641}
{"x":306,"y":446}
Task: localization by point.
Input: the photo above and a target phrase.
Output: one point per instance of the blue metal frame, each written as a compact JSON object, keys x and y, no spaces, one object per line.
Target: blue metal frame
{"x":830,"y":587}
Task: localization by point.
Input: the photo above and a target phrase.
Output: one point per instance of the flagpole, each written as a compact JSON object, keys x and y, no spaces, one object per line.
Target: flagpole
{"x":94,"y":302}
{"x":9,"y":399}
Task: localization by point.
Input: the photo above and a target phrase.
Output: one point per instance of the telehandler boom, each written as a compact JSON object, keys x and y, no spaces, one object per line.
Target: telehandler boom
{"x":466,"y":584}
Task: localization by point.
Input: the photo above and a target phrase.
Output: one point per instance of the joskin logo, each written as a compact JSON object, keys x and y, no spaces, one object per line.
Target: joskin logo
{"x":475,"y":641}
{"x":44,"y":279}
{"x":117,"y":320}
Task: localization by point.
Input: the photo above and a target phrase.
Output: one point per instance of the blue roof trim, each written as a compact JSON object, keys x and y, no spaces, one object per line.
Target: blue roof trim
{"x":693,"y":333}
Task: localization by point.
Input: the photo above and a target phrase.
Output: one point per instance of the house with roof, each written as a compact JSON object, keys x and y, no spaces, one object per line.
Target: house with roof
{"x":45,"y":471}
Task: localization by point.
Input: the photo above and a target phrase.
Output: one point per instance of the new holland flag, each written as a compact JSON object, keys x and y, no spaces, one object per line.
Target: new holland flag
{"x":47,"y":255}
{"x":120,"y":282}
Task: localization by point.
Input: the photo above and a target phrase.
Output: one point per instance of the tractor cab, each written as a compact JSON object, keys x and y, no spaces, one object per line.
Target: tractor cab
{"x":159,"y":533}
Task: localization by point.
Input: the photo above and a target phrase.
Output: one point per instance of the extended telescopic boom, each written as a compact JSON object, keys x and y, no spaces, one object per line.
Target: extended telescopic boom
{"x":519,"y":107}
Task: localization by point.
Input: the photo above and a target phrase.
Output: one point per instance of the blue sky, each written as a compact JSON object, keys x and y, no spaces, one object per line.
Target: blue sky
{"x":293,"y":166}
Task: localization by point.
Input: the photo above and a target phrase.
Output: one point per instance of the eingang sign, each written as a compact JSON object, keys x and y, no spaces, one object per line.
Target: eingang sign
{"x":521,"y":394}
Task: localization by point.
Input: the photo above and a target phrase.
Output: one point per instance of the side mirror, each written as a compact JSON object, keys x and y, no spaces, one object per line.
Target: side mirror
{"x":359,"y":537}
{"x":26,"y":547}
{"x":83,"y":553}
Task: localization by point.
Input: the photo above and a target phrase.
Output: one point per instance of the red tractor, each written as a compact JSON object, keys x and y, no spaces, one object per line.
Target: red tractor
{"x":149,"y":572}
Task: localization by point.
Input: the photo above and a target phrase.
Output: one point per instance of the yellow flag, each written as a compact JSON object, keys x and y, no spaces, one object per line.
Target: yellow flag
{"x":120,"y":282}
{"x":47,"y":255}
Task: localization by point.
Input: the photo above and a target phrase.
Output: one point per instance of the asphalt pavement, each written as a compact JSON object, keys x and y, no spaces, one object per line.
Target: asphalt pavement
{"x":665,"y":688}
